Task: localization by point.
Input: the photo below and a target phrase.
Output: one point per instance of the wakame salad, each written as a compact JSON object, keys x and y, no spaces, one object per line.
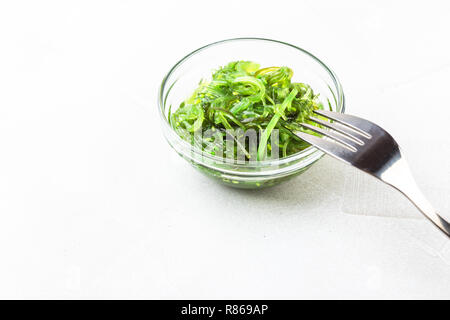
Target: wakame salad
{"x":242,"y":96}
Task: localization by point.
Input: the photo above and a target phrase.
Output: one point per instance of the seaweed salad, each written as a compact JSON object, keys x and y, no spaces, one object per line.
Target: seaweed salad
{"x":242,"y":97}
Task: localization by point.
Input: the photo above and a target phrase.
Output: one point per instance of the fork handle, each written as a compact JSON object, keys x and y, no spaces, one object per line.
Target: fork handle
{"x":427,"y":209}
{"x":399,"y":176}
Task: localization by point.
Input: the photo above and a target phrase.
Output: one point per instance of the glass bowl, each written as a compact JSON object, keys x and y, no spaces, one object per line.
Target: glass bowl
{"x":184,"y":77}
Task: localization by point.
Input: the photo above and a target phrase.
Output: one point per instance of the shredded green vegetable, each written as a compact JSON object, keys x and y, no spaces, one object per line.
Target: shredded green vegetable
{"x":242,"y":97}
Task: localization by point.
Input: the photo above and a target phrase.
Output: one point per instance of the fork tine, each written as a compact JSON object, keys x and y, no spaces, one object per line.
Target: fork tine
{"x":348,"y":133}
{"x":357,"y":124}
{"x":330,"y":147}
{"x":332,"y":135}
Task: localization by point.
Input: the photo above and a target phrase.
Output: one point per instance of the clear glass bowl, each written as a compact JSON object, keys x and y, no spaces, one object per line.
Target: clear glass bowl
{"x":184,"y":77}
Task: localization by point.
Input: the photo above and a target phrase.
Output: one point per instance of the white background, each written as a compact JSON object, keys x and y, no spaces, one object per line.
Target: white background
{"x":94,"y":204}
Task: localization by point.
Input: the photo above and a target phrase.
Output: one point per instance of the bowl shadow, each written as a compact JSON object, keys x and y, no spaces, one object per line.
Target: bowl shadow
{"x":321,"y":184}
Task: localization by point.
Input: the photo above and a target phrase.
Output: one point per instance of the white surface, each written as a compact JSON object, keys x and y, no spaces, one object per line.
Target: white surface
{"x":89,"y":209}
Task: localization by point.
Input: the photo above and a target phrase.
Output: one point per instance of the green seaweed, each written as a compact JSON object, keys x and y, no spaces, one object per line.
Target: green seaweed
{"x":241,"y":95}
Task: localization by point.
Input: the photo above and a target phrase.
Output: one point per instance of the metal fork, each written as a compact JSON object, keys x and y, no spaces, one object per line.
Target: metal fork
{"x":368,"y":147}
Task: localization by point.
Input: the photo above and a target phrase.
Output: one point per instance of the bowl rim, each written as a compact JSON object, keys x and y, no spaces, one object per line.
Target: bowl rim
{"x":259,"y":164}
